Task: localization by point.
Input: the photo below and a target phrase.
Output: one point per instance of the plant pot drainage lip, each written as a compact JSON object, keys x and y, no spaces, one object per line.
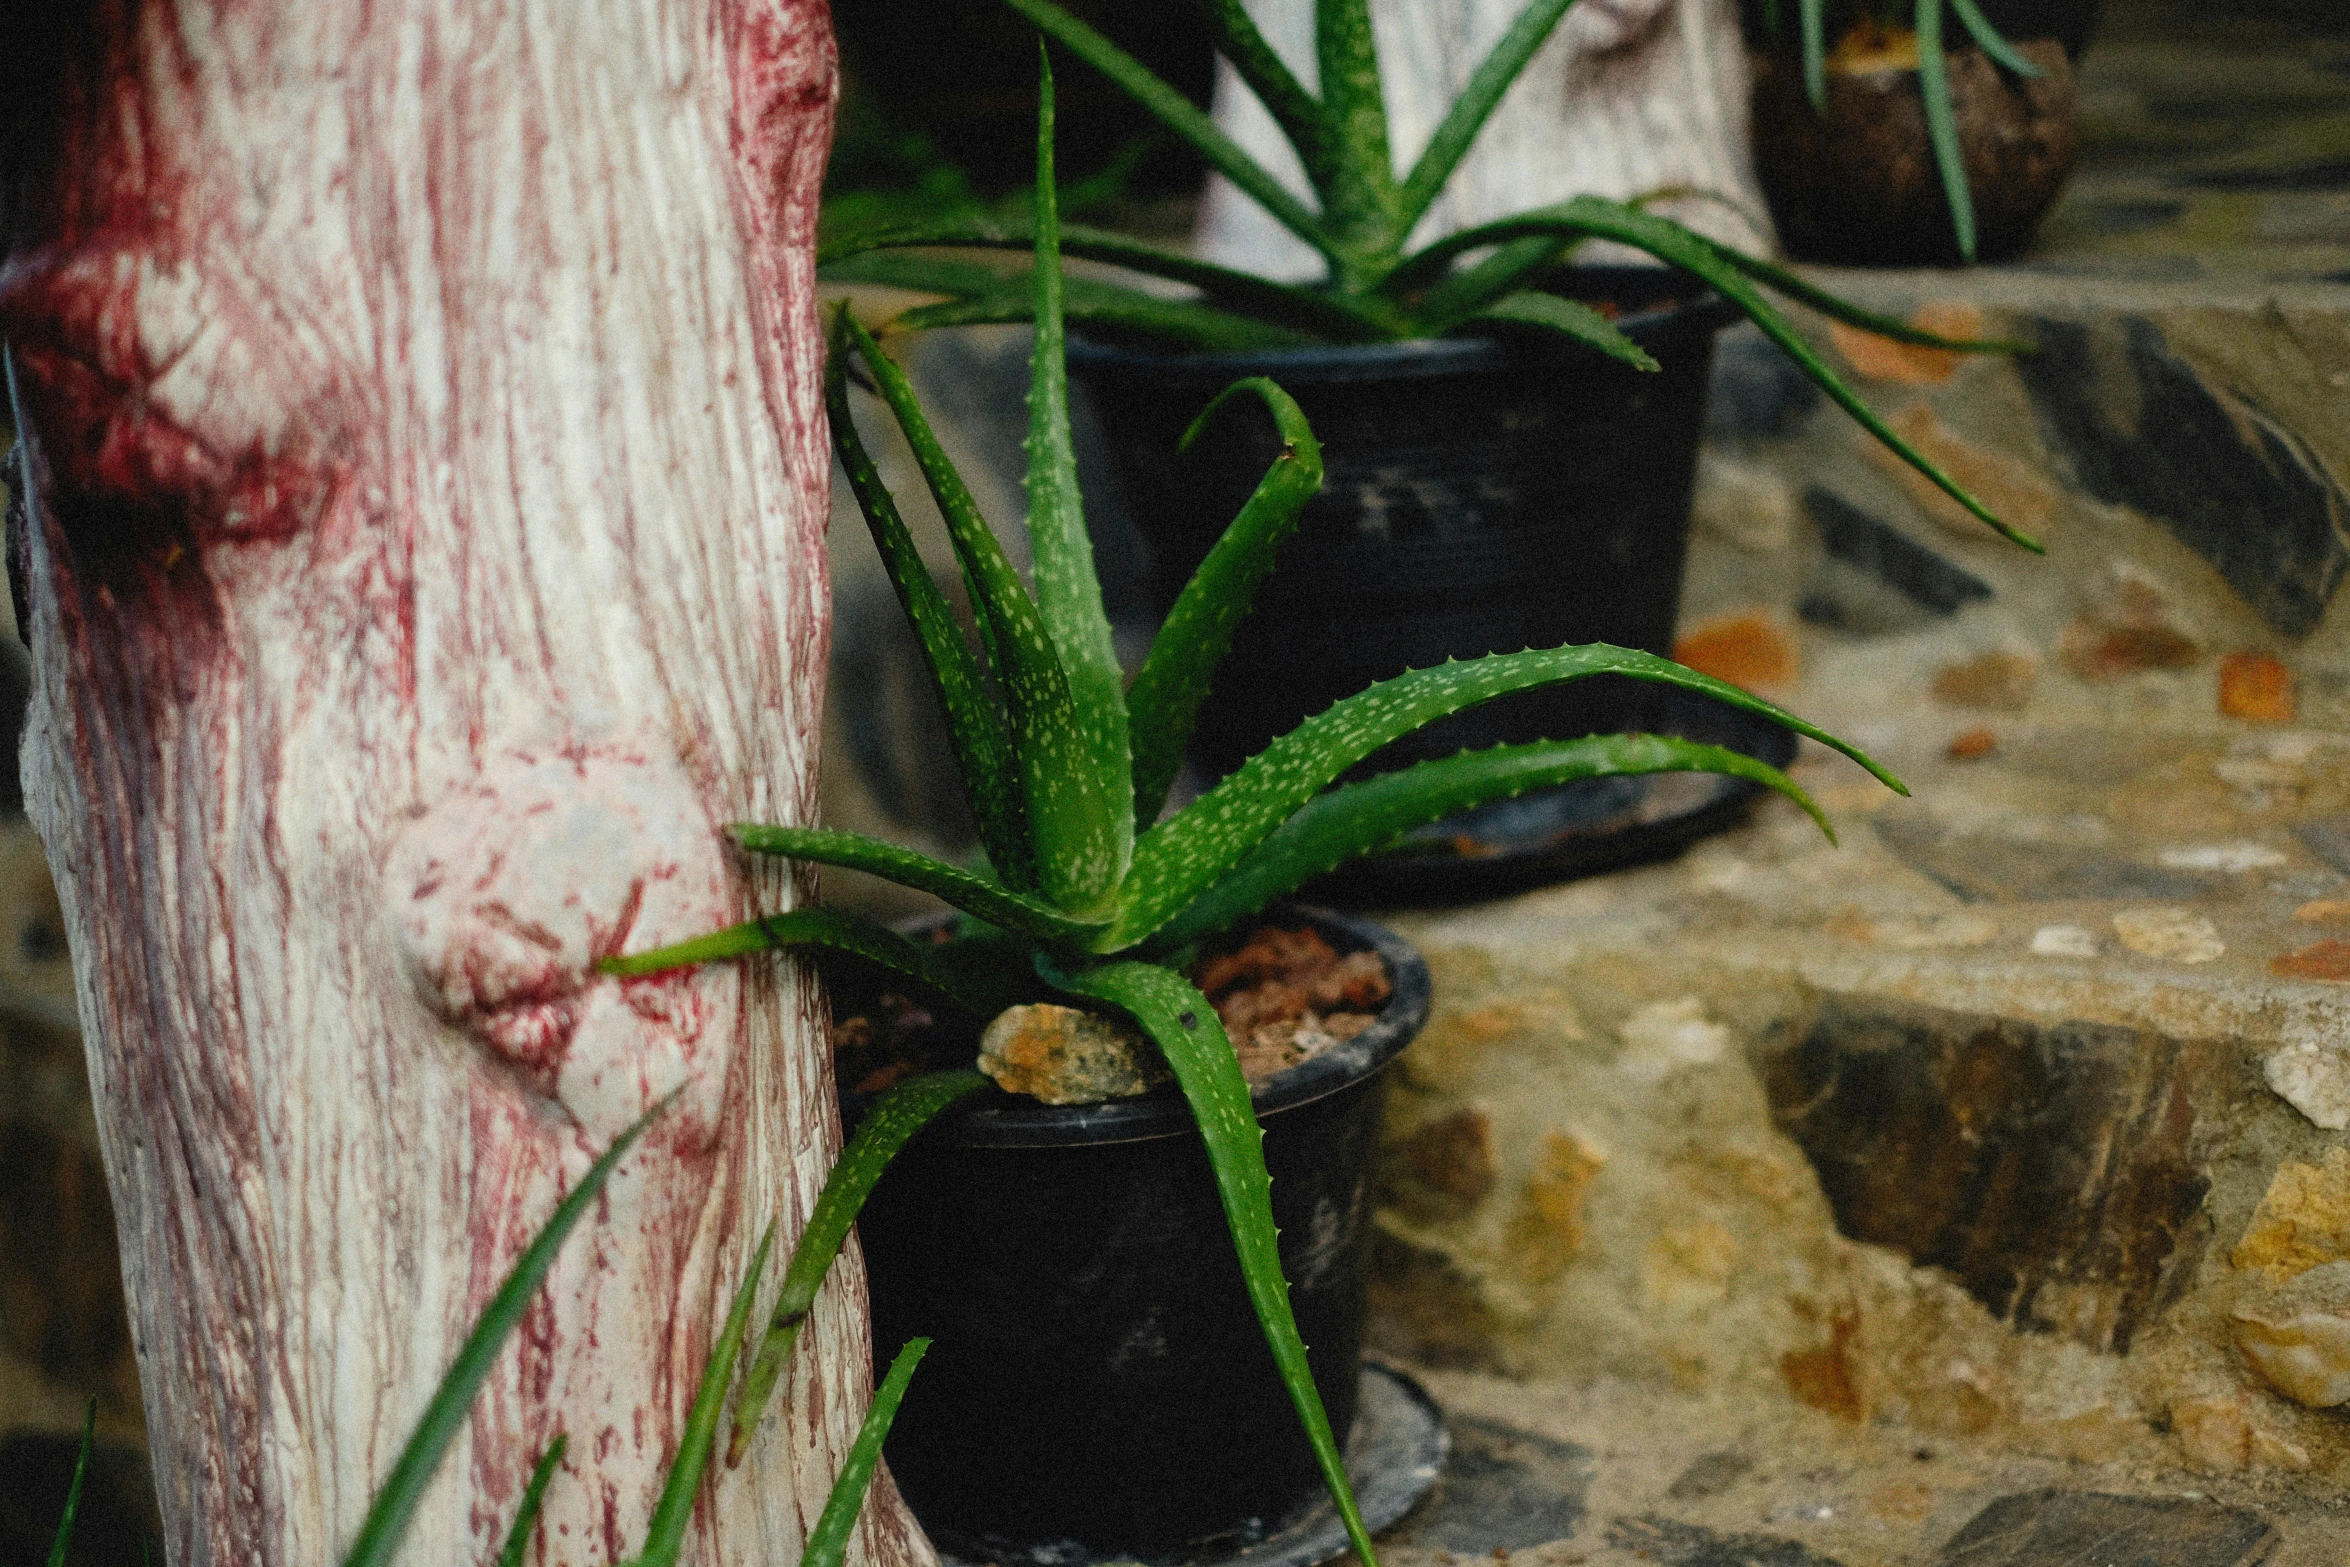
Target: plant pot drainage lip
{"x":1397,"y":1449}
{"x":1439,"y":356}
{"x":999,"y":1120}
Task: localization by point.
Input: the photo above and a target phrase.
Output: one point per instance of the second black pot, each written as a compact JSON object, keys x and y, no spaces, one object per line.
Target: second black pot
{"x":1098,"y":1386}
{"x":1481,"y":495}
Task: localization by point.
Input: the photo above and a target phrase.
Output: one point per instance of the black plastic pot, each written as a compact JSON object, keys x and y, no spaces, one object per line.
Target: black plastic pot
{"x":1482,"y":495}
{"x":1098,"y":1386}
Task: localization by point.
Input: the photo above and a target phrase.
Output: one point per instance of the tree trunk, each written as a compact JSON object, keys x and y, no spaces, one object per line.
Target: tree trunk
{"x":1628,"y":97}
{"x":424,"y":559}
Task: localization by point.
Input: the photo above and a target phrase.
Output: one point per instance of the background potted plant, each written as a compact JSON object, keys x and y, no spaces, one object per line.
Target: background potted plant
{"x":1090,"y":898}
{"x":1509,"y":464}
{"x":1878,"y":142}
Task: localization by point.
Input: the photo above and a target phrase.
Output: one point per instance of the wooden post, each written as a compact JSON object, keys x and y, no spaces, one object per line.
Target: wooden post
{"x":1628,"y":97}
{"x":424,"y":560}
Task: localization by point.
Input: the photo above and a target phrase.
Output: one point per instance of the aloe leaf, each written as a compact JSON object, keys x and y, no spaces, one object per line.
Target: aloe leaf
{"x":887,"y":1127}
{"x":63,"y":1538}
{"x":989,"y":900}
{"x":1570,"y":318}
{"x":1487,"y":85}
{"x":1461,"y":295}
{"x":1084,"y":841}
{"x":1361,"y":817}
{"x":1675,"y":245}
{"x":1184,"y":856}
{"x":970,"y":978}
{"x":534,"y":1495}
{"x":1301,"y":116}
{"x":1797,"y":288}
{"x":1192,"y":641}
{"x":1986,"y":37}
{"x":977,"y":730}
{"x":1051,"y":746}
{"x":1361,"y":203}
{"x":665,"y":1534}
{"x":1180,"y":115}
{"x":828,"y":1542}
{"x":1188,"y":1032}
{"x":1325,"y":315}
{"x":1810,"y":19}
{"x":1942,"y":125}
{"x":378,"y":1539}
{"x":1182,"y":323}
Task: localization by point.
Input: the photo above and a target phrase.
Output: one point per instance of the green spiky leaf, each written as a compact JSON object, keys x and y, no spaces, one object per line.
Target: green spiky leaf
{"x":1501,"y":67}
{"x":1188,"y":1032}
{"x":978,"y":731}
{"x":1084,"y":843}
{"x":1986,"y":37}
{"x":973,"y":894}
{"x":1362,"y":817}
{"x":1362,"y":205}
{"x":1468,"y":290}
{"x":1182,"y":323}
{"x":1303,"y":121}
{"x":1794,"y":286}
{"x":970,"y":974}
{"x":1811,"y":19}
{"x":665,"y":1534}
{"x":1175,"y":675}
{"x":534,"y":1496}
{"x":828,"y":1542}
{"x":1181,"y":858}
{"x":887,"y":1127}
{"x":1571,"y":319}
{"x":1180,"y":115}
{"x":1942,"y":125}
{"x":63,"y":1538}
{"x":380,"y":1532}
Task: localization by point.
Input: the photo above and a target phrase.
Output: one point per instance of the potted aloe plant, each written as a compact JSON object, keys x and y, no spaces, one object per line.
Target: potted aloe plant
{"x":1881,"y":139}
{"x":1091,"y":897}
{"x":1510,"y":444}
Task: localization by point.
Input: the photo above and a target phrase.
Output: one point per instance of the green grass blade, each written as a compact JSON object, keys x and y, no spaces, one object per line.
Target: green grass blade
{"x":990,"y":901}
{"x":1181,"y":858}
{"x":970,"y":979}
{"x":1192,"y":1038}
{"x":1501,"y":66}
{"x":1361,"y":817}
{"x":1052,"y":747}
{"x":380,"y":1532}
{"x":1303,"y":120}
{"x":887,"y":1127}
{"x":978,"y":731}
{"x":1571,"y":319}
{"x":1812,"y":22}
{"x":534,"y":1495}
{"x":1942,"y":125}
{"x":1180,"y":115}
{"x":1083,"y":847}
{"x":1362,"y":205}
{"x":828,"y":1542}
{"x":665,"y":1534}
{"x":1986,"y":37}
{"x":1192,"y":641}
{"x":1324,"y":316}
{"x":1458,"y":297}
{"x":1669,"y":242}
{"x":63,"y":1539}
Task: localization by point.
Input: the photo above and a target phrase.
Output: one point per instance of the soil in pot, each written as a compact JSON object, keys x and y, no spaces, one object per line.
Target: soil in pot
{"x":1098,"y":1385}
{"x":1856,"y":183}
{"x":1481,"y":495}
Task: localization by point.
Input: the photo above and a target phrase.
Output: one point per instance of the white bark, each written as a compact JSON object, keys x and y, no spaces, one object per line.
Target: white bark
{"x":425,"y":559}
{"x":1628,"y":97}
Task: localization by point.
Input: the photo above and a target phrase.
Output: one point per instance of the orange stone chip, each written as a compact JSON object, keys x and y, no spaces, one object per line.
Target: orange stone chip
{"x":1749,"y":650}
{"x":1973,"y":744}
{"x":1912,"y":364}
{"x":2327,"y":959}
{"x":2257,"y":687}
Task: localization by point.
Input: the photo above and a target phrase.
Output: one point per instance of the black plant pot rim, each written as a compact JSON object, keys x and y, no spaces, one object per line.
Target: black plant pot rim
{"x":1701,"y":310}
{"x":1000,"y":1120}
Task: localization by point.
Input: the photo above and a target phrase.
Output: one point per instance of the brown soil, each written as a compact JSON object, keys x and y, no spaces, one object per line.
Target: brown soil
{"x":1284,"y":995}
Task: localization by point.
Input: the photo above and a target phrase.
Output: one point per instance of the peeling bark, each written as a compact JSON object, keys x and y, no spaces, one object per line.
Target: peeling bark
{"x":424,"y":559}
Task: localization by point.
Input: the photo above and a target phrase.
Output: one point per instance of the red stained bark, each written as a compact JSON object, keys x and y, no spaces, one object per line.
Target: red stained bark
{"x":424,"y":560}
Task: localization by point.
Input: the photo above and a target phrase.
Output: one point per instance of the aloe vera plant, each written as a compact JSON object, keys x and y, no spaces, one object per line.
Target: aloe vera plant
{"x":1377,"y":288}
{"x":1088,"y":890}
